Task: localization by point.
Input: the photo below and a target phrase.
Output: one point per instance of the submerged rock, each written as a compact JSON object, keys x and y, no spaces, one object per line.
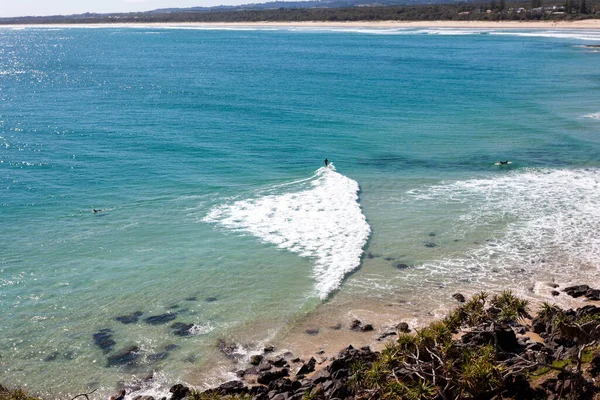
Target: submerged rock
{"x":126,"y":356}
{"x":181,"y":329}
{"x":401,"y":266}
{"x":160,"y":319}
{"x":129,"y":319}
{"x":103,"y":339}
{"x":429,"y":244}
{"x":210,"y":299}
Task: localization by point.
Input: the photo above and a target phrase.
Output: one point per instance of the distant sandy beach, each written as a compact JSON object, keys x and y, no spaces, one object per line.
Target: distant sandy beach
{"x":584,"y":24}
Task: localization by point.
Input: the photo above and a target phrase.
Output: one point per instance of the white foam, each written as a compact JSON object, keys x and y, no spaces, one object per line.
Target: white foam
{"x":595,"y":116}
{"x":318,"y":218}
{"x":543,"y":221}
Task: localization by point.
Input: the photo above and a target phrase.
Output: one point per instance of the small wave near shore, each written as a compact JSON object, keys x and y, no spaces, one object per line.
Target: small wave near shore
{"x":319,"y":218}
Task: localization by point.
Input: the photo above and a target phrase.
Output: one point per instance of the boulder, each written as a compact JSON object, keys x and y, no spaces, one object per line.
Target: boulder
{"x":256,"y":359}
{"x":179,"y":391}
{"x":307,"y":367}
{"x":401,"y":266}
{"x":577,"y":291}
{"x":593,"y":294}
{"x":269,"y":376}
{"x":459,"y":297}
{"x":320,"y":376}
{"x":232,"y":388}
{"x":403,"y":327}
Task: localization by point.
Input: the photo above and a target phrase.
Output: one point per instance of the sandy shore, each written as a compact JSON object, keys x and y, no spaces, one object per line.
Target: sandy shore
{"x":585,"y":24}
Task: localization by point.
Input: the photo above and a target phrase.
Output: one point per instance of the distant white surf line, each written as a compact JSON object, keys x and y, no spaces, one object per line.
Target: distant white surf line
{"x":319,"y":218}
{"x":595,"y":116}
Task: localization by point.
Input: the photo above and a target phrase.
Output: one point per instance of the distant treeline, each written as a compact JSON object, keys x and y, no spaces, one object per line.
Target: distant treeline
{"x":494,"y":10}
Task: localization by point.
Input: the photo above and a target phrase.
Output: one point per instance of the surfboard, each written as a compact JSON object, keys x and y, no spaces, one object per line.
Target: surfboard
{"x":503,"y":163}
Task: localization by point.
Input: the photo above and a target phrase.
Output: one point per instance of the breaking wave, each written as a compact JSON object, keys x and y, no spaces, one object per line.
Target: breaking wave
{"x":547,"y":222}
{"x":318,"y":217}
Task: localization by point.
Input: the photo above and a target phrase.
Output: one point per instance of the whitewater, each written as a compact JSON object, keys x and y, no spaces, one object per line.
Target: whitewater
{"x":319,"y":218}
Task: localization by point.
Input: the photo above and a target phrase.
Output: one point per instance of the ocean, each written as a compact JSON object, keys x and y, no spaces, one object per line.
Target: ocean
{"x":204,"y":150}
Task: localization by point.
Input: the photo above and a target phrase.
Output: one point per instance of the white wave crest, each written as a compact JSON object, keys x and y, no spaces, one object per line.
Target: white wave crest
{"x":547,"y":222}
{"x":593,"y":116}
{"x":319,"y":218}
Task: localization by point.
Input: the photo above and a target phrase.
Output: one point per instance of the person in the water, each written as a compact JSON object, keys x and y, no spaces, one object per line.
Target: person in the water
{"x":97,"y":211}
{"x":503,"y":162}
{"x":326,"y":162}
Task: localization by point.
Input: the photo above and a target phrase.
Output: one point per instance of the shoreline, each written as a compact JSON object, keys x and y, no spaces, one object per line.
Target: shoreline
{"x":581,"y":24}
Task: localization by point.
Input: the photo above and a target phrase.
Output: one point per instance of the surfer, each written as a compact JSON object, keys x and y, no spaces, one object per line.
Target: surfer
{"x":97,"y":211}
{"x":326,"y":162}
{"x":503,"y":162}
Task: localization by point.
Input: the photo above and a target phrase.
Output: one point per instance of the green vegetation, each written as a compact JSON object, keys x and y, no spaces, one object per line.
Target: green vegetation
{"x":485,"y":11}
{"x":15,"y":394}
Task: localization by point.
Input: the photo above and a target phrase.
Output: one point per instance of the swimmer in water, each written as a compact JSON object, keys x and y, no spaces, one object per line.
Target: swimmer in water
{"x":97,"y":211}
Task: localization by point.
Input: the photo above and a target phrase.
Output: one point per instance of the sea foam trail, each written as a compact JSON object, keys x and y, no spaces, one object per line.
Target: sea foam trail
{"x":319,"y":218}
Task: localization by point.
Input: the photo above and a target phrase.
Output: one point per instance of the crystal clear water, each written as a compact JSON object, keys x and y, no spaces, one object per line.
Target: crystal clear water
{"x":204,"y":149}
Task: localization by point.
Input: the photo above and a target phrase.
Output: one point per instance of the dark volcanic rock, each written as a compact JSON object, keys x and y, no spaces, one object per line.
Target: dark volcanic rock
{"x":320,"y":376}
{"x":366,"y":328}
{"x":459,"y":297}
{"x":181,"y":329}
{"x":369,"y":255}
{"x":554,"y":293}
{"x":307,"y":367}
{"x":256,"y":359}
{"x":269,"y":349}
{"x":269,"y":376}
{"x":355,"y":325}
{"x":593,"y":294}
{"x":179,"y":391}
{"x":401,"y":266}
{"x":128,"y":319}
{"x":160,"y":319}
{"x":210,"y":299}
{"x":192,"y":298}
{"x":577,"y":291}
{"x":228,"y":349}
{"x":386,"y":335}
{"x":232,"y":388}
{"x":103,"y":339}
{"x":504,"y":338}
{"x":127,"y":356}
{"x":429,"y":244}
{"x":403,"y":327}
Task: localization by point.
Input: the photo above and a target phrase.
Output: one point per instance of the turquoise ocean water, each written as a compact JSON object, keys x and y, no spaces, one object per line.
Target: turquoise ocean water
{"x":204,"y":148}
